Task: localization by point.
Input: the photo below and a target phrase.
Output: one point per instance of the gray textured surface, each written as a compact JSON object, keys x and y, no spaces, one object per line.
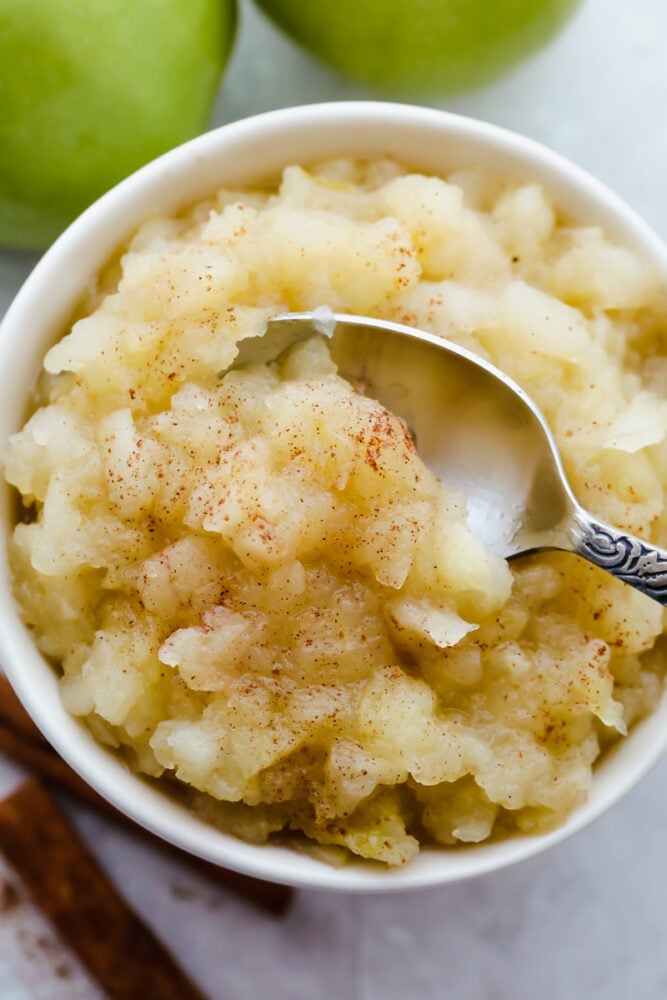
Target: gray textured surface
{"x":587,"y":920}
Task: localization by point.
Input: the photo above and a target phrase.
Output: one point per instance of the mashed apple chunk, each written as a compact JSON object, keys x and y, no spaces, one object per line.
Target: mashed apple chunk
{"x":247,"y":577}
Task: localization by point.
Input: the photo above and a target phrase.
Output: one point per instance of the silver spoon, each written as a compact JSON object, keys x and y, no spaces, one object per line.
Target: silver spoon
{"x":476,"y":429}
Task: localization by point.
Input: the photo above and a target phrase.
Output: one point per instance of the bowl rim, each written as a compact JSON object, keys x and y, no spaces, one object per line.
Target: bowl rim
{"x":60,"y":277}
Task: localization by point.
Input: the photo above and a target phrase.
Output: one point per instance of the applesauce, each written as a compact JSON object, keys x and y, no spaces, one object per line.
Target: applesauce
{"x":248,"y":579}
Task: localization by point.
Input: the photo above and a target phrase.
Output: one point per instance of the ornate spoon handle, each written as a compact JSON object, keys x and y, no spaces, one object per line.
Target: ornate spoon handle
{"x":642,"y":565}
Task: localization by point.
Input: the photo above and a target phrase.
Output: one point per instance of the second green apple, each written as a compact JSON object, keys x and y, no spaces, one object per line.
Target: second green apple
{"x":420,"y":46}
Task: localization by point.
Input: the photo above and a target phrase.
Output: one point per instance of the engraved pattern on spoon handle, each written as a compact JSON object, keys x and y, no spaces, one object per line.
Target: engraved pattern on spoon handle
{"x":639,"y":563}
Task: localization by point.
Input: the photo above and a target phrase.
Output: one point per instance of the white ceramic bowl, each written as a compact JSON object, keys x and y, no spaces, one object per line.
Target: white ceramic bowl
{"x":239,"y":154}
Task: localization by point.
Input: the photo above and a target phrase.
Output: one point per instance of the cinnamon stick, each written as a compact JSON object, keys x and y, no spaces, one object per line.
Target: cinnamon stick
{"x":22,"y":741}
{"x":70,"y":888}
{"x":49,"y":766}
{"x":14,"y":715}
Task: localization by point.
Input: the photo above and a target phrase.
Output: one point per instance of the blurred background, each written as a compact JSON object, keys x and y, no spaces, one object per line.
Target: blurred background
{"x":585,"y":920}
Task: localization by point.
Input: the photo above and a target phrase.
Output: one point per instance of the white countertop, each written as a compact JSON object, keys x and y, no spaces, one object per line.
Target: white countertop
{"x":587,"y":920}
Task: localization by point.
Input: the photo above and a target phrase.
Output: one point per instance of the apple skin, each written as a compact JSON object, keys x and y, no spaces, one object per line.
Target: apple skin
{"x":92,"y":89}
{"x":420,"y":47}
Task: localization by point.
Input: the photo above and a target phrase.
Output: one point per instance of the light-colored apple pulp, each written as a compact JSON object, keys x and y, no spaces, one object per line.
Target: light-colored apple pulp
{"x":252,"y":584}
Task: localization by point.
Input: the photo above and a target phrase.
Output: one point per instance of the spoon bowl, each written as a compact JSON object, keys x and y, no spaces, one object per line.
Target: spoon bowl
{"x":478,"y":431}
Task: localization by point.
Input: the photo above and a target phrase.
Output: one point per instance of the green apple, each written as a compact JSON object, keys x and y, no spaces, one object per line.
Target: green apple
{"x":419,"y":46}
{"x":92,"y":89}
